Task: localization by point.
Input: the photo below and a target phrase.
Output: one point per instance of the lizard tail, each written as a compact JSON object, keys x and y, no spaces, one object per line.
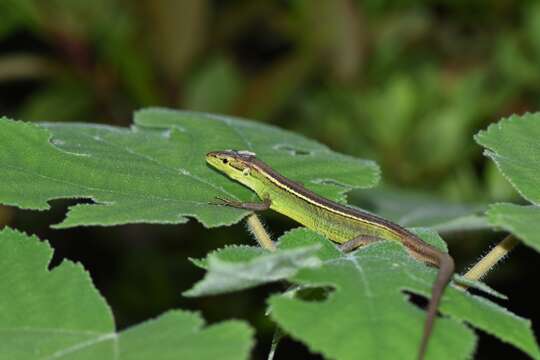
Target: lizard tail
{"x":446,"y":270}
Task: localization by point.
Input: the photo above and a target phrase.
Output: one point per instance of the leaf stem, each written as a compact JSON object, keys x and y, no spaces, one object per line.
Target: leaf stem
{"x":256,"y":227}
{"x":278,"y":334}
{"x":482,"y":267}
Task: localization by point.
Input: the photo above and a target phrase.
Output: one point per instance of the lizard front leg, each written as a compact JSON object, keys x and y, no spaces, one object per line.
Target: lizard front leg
{"x":253,"y":206}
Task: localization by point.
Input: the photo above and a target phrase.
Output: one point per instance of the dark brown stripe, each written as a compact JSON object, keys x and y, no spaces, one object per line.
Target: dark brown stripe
{"x":358,"y":214}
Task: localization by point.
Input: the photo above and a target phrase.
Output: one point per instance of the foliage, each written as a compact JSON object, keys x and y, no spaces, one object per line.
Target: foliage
{"x":513,"y":145}
{"x":403,"y":83}
{"x":364,"y":312}
{"x":159,"y":165}
{"x":59,"y":314}
{"x":160,"y":173}
{"x":413,"y":208}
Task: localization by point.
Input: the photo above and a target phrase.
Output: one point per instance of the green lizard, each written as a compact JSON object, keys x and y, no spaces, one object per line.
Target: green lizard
{"x":342,"y":224}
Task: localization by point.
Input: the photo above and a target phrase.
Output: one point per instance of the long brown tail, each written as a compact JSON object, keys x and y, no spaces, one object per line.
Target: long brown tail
{"x":446,"y":270}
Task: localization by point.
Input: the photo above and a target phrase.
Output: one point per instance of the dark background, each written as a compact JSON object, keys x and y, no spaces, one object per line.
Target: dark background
{"x":405,"y":83}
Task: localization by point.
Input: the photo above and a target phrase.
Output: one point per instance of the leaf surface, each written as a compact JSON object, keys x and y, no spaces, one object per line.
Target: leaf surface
{"x":58,"y":314}
{"x":155,"y":172}
{"x":365,"y":312}
{"x":416,"y":209}
{"x":523,"y":221}
{"x":513,"y":144}
{"x":226,"y":272}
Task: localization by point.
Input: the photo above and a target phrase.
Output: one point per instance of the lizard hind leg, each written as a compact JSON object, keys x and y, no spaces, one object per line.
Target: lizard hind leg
{"x":357,"y":242}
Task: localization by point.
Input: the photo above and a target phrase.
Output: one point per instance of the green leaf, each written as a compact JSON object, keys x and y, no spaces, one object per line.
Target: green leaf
{"x":412,"y":208}
{"x":59,"y":314}
{"x":524,"y":221}
{"x":365,"y":313}
{"x":513,"y":145}
{"x":155,"y":172}
{"x":231,"y":253}
{"x":227,"y":272}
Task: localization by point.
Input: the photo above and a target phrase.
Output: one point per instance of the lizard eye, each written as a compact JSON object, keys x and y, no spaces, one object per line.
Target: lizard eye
{"x":225,"y":161}
{"x":245,"y":172}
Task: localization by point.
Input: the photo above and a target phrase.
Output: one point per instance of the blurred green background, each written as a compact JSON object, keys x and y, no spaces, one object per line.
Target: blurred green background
{"x":405,"y":83}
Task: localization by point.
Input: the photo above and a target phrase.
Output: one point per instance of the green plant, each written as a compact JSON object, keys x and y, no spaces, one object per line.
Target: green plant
{"x":343,"y":306}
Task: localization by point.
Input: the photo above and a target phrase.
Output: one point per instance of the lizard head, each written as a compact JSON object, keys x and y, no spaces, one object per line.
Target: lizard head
{"x":239,"y":165}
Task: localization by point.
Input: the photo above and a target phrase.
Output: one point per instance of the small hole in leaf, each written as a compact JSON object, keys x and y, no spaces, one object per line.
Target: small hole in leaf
{"x":417,"y":300}
{"x":320,"y":293}
{"x":292,"y":150}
